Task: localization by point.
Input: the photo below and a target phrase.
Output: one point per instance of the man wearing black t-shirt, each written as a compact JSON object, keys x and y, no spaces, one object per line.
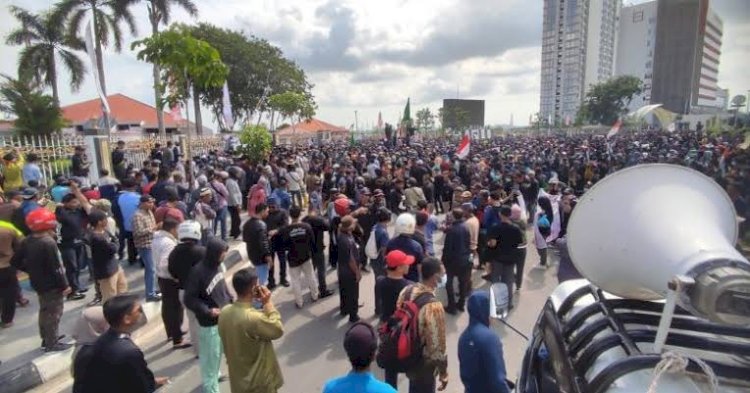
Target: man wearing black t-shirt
{"x":298,"y":240}
{"x":504,"y":240}
{"x":72,"y":217}
{"x":319,"y":226}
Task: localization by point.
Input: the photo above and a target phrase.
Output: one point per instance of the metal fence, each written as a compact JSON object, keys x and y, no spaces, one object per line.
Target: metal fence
{"x":54,"y":151}
{"x":139,"y":150}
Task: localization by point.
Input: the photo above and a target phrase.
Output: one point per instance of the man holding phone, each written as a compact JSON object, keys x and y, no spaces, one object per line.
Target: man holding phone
{"x":247,"y":334}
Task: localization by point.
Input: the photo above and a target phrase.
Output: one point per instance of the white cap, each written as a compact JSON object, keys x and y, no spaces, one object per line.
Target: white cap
{"x":405,"y":224}
{"x":189,"y":230}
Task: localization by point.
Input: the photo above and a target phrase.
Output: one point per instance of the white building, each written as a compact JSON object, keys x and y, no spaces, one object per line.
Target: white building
{"x":712,"y":29}
{"x":635,"y":47}
{"x":578,"y":50}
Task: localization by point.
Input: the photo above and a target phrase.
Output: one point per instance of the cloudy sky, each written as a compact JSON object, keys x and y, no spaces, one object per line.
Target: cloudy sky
{"x":369,"y":56}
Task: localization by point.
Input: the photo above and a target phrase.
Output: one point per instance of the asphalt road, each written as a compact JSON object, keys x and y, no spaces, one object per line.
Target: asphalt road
{"x":311,"y":350}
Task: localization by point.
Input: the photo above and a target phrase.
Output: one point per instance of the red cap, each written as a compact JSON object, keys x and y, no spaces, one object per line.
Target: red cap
{"x":341,"y":206}
{"x":398,"y":258}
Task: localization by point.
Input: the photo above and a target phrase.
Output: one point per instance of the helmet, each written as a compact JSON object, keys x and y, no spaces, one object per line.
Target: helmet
{"x":189,"y":230}
{"x":405,"y":224}
{"x":40,"y":220}
{"x":341,"y":206}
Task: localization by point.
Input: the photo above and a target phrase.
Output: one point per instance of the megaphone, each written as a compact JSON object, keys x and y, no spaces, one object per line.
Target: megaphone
{"x":637,"y":229}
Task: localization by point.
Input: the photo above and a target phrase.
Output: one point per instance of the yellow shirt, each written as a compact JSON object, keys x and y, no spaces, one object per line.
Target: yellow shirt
{"x":247,"y":335}
{"x":13,"y":173}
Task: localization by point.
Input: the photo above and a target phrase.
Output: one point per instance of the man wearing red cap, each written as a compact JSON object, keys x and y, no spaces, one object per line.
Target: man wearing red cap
{"x":387,"y":291}
{"x":40,"y":258}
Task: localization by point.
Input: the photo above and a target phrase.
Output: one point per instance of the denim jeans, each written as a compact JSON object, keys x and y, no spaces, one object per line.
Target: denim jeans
{"x":221,"y":219}
{"x":262,"y":272}
{"x":148,"y":270}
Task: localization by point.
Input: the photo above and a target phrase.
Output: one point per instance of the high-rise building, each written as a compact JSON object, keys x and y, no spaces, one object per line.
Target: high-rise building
{"x":686,"y":56}
{"x":578,"y":50}
{"x":636,"y":41}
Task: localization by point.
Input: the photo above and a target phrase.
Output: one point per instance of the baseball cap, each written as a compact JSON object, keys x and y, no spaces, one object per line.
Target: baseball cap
{"x":466,"y":194}
{"x":365,"y":191}
{"x":398,"y":258}
{"x":29,"y":193}
{"x":205,"y":191}
{"x":360,"y":344}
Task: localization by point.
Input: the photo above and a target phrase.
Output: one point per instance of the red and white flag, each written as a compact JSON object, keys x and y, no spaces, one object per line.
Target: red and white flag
{"x":464,"y":147}
{"x":176,"y":113}
{"x":615,"y":129}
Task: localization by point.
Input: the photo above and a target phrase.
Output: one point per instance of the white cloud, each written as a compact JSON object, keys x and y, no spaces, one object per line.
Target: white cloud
{"x":369,"y":56}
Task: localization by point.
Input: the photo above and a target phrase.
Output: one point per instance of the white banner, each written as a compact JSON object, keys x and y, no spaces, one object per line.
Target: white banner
{"x":227,"y":107}
{"x":89,"y":37}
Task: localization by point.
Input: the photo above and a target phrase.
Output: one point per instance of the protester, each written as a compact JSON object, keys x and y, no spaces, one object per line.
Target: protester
{"x":298,"y":240}
{"x":319,"y":226}
{"x":103,"y":245}
{"x":186,"y":255}
{"x":205,"y":294}
{"x":39,"y":257}
{"x":457,"y":259}
{"x":114,"y":363}
{"x":247,"y":335}
{"x":480,"y":351}
{"x":387,"y":292}
{"x":403,"y":241}
{"x":349,"y":273}
{"x":10,"y":241}
{"x":72,"y":216}
{"x":124,"y":210}
{"x":234,"y":201}
{"x":257,"y":243}
{"x":360,"y":344}
{"x":434,"y":360}
{"x":504,"y":241}
{"x":205,"y":214}
{"x":219,"y":202}
{"x":172,"y":207}
{"x":31,"y":170}
{"x":144,"y":226}
{"x":79,"y":166}
{"x":276,"y":220}
{"x":165,"y":240}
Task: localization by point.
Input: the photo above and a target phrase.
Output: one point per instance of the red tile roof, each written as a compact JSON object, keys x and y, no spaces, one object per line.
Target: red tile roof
{"x":124,"y":109}
{"x":311,"y":126}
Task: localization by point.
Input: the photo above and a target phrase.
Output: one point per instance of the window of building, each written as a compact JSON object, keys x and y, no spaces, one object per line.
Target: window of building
{"x":638,"y":16}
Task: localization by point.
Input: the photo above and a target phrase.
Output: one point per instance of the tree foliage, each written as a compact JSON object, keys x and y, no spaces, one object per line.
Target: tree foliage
{"x":256,"y":142}
{"x":425,"y":119}
{"x":607,"y":101}
{"x":257,"y":71}
{"x":44,"y":40}
{"x":184,"y":61}
{"x":36,"y":113}
{"x":292,"y":105}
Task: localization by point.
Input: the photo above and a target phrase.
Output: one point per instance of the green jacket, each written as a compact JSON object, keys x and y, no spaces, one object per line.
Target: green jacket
{"x":246,"y":334}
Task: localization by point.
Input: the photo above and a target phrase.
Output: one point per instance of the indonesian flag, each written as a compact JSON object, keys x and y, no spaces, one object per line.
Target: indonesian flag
{"x":464,"y":147}
{"x":176,"y":113}
{"x":615,"y":128}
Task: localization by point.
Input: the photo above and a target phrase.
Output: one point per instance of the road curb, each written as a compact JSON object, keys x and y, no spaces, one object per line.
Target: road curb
{"x":49,"y":366}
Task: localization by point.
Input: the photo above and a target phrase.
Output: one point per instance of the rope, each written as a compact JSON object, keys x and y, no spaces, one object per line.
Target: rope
{"x":673,"y":362}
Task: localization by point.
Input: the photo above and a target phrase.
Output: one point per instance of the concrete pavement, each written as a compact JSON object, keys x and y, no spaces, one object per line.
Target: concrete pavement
{"x":311,"y":350}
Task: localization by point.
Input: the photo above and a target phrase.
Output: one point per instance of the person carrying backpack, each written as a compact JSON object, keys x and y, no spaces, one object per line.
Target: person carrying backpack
{"x":419,"y":320}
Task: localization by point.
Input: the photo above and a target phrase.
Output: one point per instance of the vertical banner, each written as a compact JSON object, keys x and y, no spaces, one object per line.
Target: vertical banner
{"x":226,"y":105}
{"x":89,"y":38}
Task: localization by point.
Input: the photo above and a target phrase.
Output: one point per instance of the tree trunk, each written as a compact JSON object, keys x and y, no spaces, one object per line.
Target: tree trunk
{"x":53,"y":77}
{"x":157,"y":86}
{"x":100,"y":68}
{"x":198,"y":120}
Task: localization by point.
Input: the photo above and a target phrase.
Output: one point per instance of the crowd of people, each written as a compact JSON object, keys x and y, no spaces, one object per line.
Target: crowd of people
{"x":310,"y":210}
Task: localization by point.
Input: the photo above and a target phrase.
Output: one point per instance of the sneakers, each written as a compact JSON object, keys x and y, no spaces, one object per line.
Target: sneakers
{"x":325,"y":293}
{"x":76,"y":296}
{"x":97,"y":300}
{"x":285,"y":283}
{"x":182,"y":345}
{"x":59,"y":347}
{"x":154,"y":298}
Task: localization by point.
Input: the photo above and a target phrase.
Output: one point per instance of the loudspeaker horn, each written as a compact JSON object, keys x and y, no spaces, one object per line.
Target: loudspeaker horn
{"x":637,"y":229}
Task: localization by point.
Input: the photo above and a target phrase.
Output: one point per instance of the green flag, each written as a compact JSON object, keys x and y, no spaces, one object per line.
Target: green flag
{"x":406,"y":121}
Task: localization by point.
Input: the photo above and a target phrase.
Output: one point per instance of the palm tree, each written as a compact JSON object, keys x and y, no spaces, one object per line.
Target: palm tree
{"x":44,"y":39}
{"x":107,"y":15}
{"x":159,"y":12}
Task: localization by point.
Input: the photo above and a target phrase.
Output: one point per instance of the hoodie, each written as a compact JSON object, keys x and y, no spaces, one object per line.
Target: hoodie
{"x":182,"y":259}
{"x":480,"y":352}
{"x":206,"y":287}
